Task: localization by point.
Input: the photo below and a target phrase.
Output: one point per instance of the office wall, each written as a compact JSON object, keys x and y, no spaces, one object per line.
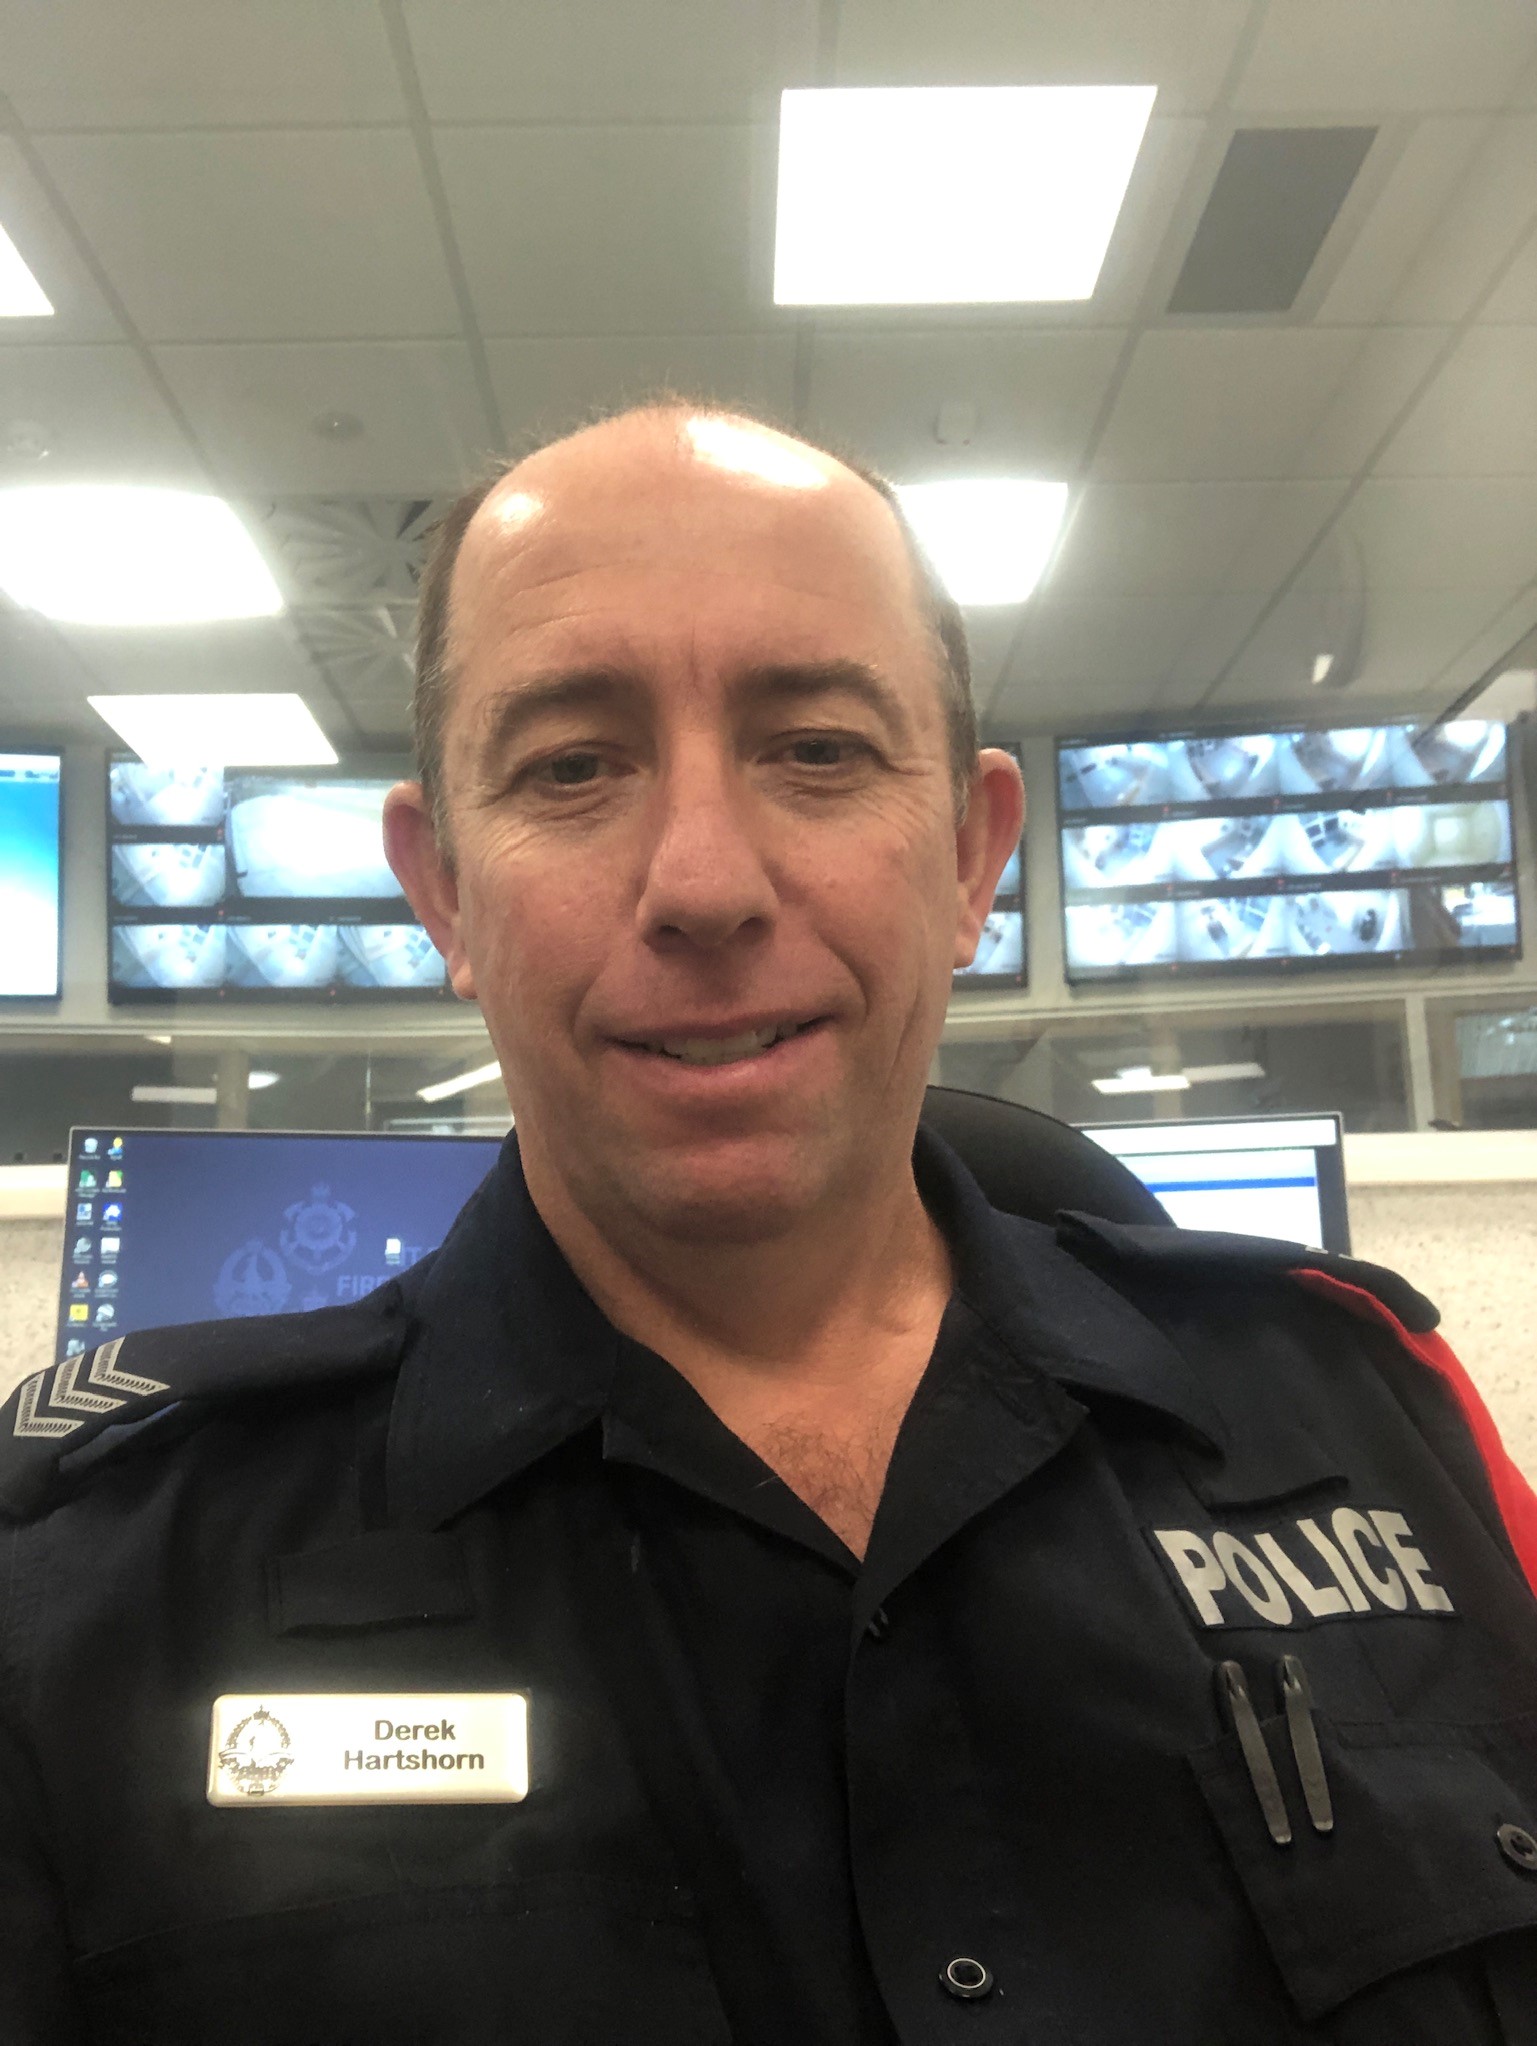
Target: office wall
{"x":1469,"y":1247}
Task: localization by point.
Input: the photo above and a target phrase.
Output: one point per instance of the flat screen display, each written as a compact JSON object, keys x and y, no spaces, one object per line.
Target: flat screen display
{"x":1001,"y":959}
{"x":29,"y":875}
{"x":1263,"y":1175}
{"x":1287,"y":850}
{"x":166,"y":1226}
{"x":224,"y":882}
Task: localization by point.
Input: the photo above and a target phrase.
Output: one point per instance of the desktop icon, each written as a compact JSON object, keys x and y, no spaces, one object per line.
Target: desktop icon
{"x":88,"y":1146}
{"x":115,"y":1148}
{"x":85,"y":1211}
{"x":106,"y":1282}
{"x":392,"y":1250}
{"x":74,"y":1346}
{"x":114,"y":1181}
{"x":78,"y":1311}
{"x":107,"y":1247}
{"x":88,"y":1180}
{"x":112,"y":1213}
{"x":80,"y":1283}
{"x":82,"y":1248}
{"x":106,"y":1312}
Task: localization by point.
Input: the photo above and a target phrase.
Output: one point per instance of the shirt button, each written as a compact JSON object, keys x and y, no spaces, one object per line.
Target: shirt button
{"x":878,"y":1626}
{"x":967,"y":1979}
{"x":1518,"y":1846}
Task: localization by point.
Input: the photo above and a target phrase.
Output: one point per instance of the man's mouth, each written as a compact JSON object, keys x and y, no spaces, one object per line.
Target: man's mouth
{"x":723,"y":1051}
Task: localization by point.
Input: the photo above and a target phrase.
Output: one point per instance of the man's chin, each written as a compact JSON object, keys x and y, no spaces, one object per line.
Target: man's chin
{"x":739,"y":1199}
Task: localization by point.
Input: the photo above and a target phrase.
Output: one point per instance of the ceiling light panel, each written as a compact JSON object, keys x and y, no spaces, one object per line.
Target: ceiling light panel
{"x":21,"y":296}
{"x":118,"y":554}
{"x":951,"y":195}
{"x":461,"y":1083}
{"x":218,"y":731}
{"x":989,"y":537}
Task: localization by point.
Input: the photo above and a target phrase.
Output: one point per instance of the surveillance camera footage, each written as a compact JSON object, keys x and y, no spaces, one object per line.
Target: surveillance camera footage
{"x":252,"y":886}
{"x":1296,"y":849}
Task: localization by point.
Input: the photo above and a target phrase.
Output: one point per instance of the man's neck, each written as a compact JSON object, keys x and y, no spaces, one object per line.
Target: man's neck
{"x":808,"y":1345}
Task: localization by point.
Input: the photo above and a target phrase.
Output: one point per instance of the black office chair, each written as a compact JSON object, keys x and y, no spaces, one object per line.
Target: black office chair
{"x":1032,"y":1165}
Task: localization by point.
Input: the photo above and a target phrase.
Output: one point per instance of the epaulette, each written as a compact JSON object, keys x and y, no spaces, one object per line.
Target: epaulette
{"x":1178,"y":1254}
{"x":113,"y":1391}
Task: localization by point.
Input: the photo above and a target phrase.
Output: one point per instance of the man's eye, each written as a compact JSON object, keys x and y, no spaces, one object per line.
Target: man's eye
{"x":819,"y":749}
{"x":571,"y":770}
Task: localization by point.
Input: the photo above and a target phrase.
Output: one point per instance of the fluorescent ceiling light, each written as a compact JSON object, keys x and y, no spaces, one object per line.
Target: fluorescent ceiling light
{"x":1142,"y":1080}
{"x":460,"y":1084}
{"x":116,"y":554}
{"x":951,"y":195}
{"x":257,"y":1081}
{"x":989,"y":537}
{"x":21,"y":296}
{"x":218,"y":730}
{"x":1242,"y":1069}
{"x":187,"y":1097}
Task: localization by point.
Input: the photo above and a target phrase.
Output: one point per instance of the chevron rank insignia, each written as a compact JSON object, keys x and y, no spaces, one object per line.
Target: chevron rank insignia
{"x":64,"y":1407}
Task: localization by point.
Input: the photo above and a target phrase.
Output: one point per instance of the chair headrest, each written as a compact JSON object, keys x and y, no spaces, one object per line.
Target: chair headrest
{"x":1032,"y":1165}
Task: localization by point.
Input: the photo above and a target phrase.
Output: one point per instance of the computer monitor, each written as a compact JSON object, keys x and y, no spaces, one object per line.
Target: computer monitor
{"x":165,"y":1226}
{"x":1253,"y":1175}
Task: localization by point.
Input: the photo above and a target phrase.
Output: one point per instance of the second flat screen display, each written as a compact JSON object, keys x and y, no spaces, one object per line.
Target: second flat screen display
{"x":1287,"y":849}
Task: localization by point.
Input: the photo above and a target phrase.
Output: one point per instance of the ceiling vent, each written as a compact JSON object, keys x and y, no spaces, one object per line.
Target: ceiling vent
{"x":1277,"y":195}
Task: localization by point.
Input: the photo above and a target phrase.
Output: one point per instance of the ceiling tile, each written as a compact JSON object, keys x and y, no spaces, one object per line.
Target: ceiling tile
{"x":260,"y":409}
{"x":29,"y":217}
{"x":1291,"y":520}
{"x":1515,"y":296}
{"x":99,"y":415}
{"x":1181,"y":46}
{"x":1425,"y":535}
{"x":305,"y":235}
{"x":1157,"y":536}
{"x":588,"y":60}
{"x":1392,"y":56}
{"x":1036,"y":396}
{"x":1436,"y":153}
{"x":179,"y":63}
{"x":570,"y":230}
{"x":1481,"y":231}
{"x":989,"y":638}
{"x":43,"y":683}
{"x":1391,"y":365}
{"x":1121,"y":640}
{"x":1479,"y":417}
{"x":1411,"y":637}
{"x":1222,"y":402}
{"x":549,"y":387}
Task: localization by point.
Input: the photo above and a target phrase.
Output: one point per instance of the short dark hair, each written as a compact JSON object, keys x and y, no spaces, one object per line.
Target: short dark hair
{"x":429,"y":699}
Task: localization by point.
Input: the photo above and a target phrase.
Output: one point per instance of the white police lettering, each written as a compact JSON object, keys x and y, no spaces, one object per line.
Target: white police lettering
{"x":1271,"y":1575}
{"x":342,"y":1748}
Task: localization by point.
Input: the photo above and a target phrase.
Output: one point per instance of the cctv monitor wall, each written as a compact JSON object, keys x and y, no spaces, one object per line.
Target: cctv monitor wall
{"x":166,"y":1226}
{"x":29,"y":875}
{"x":1287,"y":851}
{"x":1262,"y":1175}
{"x":227,"y":883}
{"x":1000,"y":957}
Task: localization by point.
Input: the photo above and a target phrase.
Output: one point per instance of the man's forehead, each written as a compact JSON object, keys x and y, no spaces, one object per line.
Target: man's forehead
{"x":678,"y":491}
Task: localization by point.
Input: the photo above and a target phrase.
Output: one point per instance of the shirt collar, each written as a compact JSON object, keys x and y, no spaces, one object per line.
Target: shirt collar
{"x":512,"y":1356}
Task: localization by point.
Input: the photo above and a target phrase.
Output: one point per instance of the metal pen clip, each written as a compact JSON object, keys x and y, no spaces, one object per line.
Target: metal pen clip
{"x":1267,"y":1785}
{"x":1297,"y":1698}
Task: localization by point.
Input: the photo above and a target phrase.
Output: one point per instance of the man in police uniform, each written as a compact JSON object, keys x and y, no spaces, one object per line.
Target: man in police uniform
{"x":744,"y":1587}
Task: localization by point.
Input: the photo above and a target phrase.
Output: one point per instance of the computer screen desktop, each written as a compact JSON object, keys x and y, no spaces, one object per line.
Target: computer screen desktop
{"x":164,"y":1226}
{"x":1258,"y":1175}
{"x":29,"y":875}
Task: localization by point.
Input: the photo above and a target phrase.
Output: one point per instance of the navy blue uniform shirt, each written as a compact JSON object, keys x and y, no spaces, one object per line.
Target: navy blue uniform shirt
{"x":1187,"y":1691}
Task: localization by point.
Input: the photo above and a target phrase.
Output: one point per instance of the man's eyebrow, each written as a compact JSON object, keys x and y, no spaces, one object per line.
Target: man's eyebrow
{"x":507,"y":715}
{"x":806,"y":681}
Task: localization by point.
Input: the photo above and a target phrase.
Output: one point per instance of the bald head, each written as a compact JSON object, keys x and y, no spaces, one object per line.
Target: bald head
{"x":646,"y":486}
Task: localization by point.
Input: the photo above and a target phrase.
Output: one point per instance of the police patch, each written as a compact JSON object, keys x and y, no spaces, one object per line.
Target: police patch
{"x":1350,"y":1564}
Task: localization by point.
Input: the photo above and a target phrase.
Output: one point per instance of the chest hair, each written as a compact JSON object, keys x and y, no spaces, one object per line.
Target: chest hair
{"x":840,"y":1474}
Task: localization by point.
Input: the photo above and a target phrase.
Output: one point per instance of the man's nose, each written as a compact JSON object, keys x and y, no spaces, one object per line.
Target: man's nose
{"x":706,"y":881}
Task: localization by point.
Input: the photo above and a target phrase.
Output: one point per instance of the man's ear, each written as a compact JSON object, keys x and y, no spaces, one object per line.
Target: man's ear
{"x":420,"y":865}
{"x":984,"y":840}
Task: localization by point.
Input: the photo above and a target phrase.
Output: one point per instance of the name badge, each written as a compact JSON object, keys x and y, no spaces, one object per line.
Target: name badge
{"x":434,"y":1747}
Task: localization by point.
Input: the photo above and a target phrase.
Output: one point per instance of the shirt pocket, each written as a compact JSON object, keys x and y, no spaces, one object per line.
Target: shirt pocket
{"x":1432,"y":1859}
{"x":561,"y":1961}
